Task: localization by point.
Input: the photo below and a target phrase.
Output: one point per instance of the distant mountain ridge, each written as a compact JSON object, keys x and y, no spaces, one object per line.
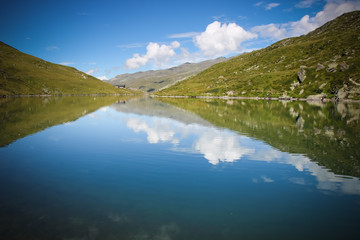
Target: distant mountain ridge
{"x":23,"y":74}
{"x":150,"y":81}
{"x":325,"y":63}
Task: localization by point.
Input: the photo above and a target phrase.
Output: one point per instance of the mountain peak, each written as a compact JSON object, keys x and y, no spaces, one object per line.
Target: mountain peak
{"x":150,"y":81}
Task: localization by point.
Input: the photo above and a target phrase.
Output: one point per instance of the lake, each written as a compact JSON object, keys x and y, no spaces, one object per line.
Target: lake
{"x":90,"y":168}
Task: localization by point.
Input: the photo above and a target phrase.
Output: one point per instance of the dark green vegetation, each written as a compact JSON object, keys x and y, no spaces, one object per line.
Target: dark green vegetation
{"x":23,"y":74}
{"x":151,"y":81}
{"x":326,"y":133}
{"x":20,"y":117}
{"x":323,"y":63}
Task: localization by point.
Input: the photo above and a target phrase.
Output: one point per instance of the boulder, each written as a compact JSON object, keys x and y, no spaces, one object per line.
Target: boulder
{"x":332,"y":67}
{"x":317,"y":97}
{"x":319,"y":67}
{"x":344,"y":66}
{"x":342,"y":93}
{"x":301,"y":74}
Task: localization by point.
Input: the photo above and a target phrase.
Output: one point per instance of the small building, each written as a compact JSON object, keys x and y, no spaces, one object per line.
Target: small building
{"x":120,"y":86}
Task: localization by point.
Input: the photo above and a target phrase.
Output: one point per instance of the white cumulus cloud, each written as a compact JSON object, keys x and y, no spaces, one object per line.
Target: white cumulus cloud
{"x":221,"y":39}
{"x":158,"y":54}
{"x":136,"y":62}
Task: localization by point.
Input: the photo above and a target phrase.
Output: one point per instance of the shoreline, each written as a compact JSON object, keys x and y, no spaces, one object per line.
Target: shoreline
{"x":198,"y":97}
{"x":265,"y":98}
{"x":67,"y":95}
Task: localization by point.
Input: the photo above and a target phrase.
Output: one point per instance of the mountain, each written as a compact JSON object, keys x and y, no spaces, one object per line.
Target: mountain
{"x":323,"y":63}
{"x":23,"y":74}
{"x":154,"y":80}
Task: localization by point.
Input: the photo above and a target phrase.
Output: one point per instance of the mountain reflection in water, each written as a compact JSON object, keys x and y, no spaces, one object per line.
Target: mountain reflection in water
{"x":222,"y":145}
{"x":144,"y":169}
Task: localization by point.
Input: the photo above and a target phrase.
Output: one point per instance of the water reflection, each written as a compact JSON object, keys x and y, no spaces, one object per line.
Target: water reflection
{"x":144,"y":169}
{"x":221,"y":146}
{"x":326,"y":133}
{"x":157,"y":131}
{"x":218,"y":145}
{"x":20,"y":117}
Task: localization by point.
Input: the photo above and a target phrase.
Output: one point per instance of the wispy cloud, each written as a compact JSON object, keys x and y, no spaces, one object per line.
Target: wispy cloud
{"x":216,"y":18}
{"x":52,"y":48}
{"x":306,"y":3}
{"x":306,"y":23}
{"x":259,"y":4}
{"x":131,"y":45}
{"x":271,"y":6}
{"x":184,"y":35}
{"x":91,"y":71}
{"x":82,"y":13}
{"x":267,"y":6}
{"x":67,"y":63}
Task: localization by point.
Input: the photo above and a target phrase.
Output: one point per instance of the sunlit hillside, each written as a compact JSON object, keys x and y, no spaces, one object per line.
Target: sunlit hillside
{"x":23,"y":74}
{"x":323,"y":63}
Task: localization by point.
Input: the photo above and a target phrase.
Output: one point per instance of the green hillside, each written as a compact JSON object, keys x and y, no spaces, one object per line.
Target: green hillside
{"x":23,"y":74}
{"x":151,"y":81}
{"x":325,"y":62}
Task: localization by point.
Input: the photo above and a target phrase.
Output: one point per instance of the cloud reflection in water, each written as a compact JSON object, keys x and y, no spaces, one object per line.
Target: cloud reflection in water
{"x":221,"y":145}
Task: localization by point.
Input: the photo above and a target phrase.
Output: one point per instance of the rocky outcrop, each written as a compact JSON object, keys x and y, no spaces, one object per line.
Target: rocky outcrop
{"x":301,"y":75}
{"x":332,"y":67}
{"x":319,"y":67}
{"x":344,"y":66}
{"x":316,"y":97}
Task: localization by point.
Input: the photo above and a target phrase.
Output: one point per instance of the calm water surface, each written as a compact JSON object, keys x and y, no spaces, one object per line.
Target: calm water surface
{"x":107,"y":168}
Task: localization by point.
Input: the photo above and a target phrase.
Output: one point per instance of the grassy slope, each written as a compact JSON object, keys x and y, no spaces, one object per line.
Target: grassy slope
{"x":328,"y":134}
{"x":272,"y":71}
{"x":22,"y":74}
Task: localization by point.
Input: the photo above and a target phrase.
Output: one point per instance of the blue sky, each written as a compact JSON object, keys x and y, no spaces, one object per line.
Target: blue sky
{"x":106,"y":38}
